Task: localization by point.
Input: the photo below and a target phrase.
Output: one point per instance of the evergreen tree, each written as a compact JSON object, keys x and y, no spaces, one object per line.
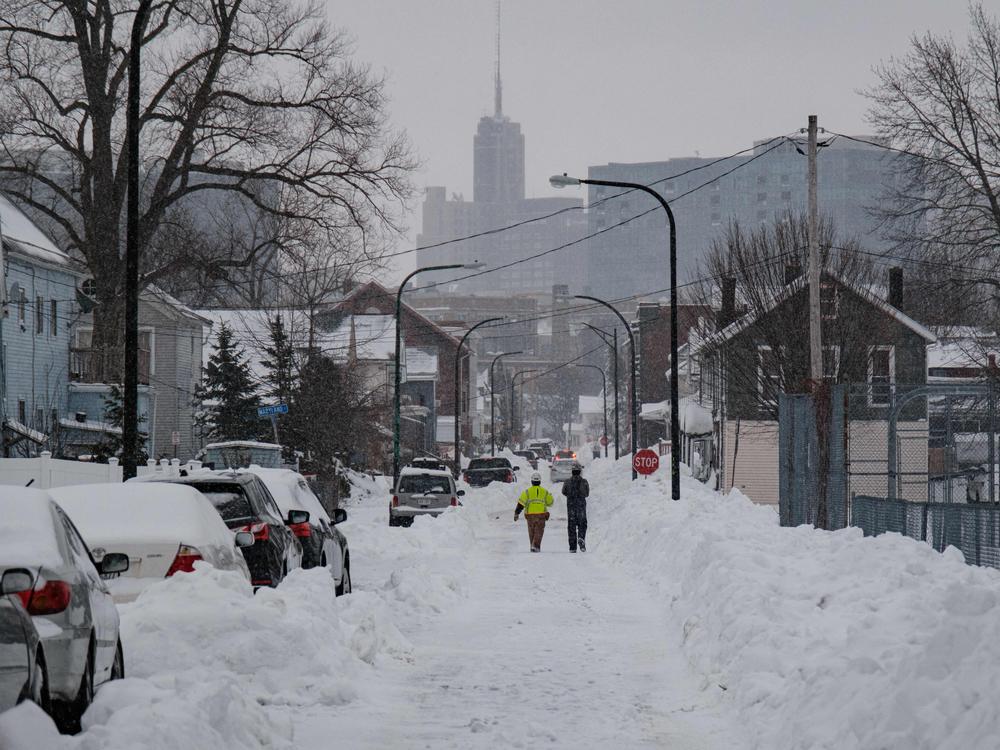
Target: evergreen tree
{"x":227,"y":398}
{"x":113,"y":444}
{"x":281,"y":380}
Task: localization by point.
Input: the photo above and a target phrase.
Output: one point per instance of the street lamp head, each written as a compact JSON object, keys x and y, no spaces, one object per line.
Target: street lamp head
{"x":563,"y":180}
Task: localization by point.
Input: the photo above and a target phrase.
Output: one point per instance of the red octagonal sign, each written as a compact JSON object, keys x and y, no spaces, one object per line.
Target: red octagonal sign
{"x":646,"y":461}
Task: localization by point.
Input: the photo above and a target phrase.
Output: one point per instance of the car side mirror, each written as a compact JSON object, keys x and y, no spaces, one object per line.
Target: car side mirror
{"x":244,"y":539}
{"x":460,"y":493}
{"x":114,"y":562}
{"x":517,"y":468}
{"x":15,"y":581}
{"x":297,"y":516}
{"x":339,"y":516}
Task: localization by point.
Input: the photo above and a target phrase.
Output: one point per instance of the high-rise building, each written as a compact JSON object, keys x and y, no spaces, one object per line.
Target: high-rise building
{"x":498,"y":201}
{"x":771,"y":181}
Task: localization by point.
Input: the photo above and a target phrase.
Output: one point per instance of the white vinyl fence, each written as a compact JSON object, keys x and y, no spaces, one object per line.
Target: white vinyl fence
{"x":46,"y":472}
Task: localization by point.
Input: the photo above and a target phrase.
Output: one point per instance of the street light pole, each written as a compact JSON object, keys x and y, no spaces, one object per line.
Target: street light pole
{"x":604,"y":392}
{"x":513,"y":379}
{"x":614,"y":349}
{"x":493,"y":403}
{"x":458,"y":400}
{"x":635,"y":396}
{"x":396,"y":401}
{"x":675,"y":429}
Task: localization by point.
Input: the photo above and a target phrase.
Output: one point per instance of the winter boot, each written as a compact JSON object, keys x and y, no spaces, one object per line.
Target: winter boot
{"x":583,"y":546}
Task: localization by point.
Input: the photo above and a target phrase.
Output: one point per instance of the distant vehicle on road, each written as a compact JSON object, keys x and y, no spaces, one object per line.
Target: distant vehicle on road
{"x":245,"y":504}
{"x":429,"y":462}
{"x":530,"y":456}
{"x":481,"y":471}
{"x":164,"y":529}
{"x":71,"y":607}
{"x":422,"y":492}
{"x":543,"y":447}
{"x":562,"y":466}
{"x":22,"y":663}
{"x":322,"y":542}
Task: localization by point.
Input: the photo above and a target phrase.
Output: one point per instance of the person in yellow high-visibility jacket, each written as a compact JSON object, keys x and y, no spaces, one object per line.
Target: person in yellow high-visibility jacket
{"x":535,"y":502}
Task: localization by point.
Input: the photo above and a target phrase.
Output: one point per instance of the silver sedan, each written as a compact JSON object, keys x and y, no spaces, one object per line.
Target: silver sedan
{"x":71,"y":607}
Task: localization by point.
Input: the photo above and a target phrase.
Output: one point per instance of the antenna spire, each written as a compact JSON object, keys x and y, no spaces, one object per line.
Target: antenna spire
{"x":498,"y":87}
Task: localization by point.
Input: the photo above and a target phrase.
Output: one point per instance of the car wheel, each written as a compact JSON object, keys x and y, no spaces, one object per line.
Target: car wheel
{"x":345,"y":580}
{"x":118,"y":667}
{"x":67,"y":715}
{"x":393,"y":521}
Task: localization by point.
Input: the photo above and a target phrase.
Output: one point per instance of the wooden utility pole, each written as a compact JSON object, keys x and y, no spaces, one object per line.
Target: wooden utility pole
{"x":815,"y":319}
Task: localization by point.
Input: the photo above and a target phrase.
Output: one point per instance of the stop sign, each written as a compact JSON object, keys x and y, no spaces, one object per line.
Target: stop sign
{"x":646,"y":461}
{"x":604,"y":440}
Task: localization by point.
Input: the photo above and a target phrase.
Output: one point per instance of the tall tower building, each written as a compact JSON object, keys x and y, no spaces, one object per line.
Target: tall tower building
{"x":498,"y":150}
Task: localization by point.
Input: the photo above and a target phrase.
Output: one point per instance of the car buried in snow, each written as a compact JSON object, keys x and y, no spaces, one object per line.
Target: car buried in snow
{"x":422,"y":492}
{"x":164,"y":529}
{"x":69,"y":603}
{"x":482,"y":471}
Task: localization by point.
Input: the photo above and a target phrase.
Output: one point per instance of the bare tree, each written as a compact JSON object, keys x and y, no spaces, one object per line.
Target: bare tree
{"x":942,"y":103}
{"x":247,"y":105}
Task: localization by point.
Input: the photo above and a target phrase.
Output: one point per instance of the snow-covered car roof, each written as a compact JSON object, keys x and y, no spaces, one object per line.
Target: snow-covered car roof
{"x":419,"y":470}
{"x":106,"y":514}
{"x":28,"y":532}
{"x":290,"y":491}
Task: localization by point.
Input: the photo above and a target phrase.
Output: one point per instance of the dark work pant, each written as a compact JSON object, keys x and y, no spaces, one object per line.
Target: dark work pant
{"x":577,"y":516}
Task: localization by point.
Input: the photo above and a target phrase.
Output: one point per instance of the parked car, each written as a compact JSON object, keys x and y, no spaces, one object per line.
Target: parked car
{"x":562,"y":466}
{"x":481,"y":471}
{"x":163,"y":529}
{"x":322,"y":542}
{"x":71,"y":607}
{"x":530,"y":456}
{"x":422,"y":492}
{"x":429,"y":462}
{"x":245,"y":504}
{"x":22,"y":664}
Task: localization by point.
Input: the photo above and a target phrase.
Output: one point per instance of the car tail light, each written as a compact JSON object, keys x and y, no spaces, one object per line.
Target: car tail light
{"x":52,"y":597}
{"x":185,"y":559}
{"x":261,"y":531}
{"x":261,"y":582}
{"x":466,"y":478}
{"x":301,"y":529}
{"x":454,"y":501}
{"x":395,"y":501}
{"x":510,"y":476}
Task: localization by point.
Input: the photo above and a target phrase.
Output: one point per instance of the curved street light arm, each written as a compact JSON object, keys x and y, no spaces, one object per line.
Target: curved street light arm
{"x":457,"y":408}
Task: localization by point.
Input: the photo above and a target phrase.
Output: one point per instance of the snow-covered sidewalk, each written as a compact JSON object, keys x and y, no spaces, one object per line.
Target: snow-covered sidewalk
{"x":551,"y":650}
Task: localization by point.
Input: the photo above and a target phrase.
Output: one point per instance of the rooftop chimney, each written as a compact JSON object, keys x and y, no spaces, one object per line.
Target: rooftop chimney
{"x":727,"y":313}
{"x":896,"y":287}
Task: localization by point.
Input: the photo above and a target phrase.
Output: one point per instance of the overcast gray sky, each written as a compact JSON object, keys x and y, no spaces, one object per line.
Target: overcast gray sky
{"x":593,"y":81}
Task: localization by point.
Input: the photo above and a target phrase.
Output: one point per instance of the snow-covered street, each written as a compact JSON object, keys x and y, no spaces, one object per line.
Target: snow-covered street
{"x":697,"y":624}
{"x":553,"y":649}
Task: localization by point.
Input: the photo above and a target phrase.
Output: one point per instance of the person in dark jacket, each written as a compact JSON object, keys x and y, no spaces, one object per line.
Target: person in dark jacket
{"x":576,"y":491}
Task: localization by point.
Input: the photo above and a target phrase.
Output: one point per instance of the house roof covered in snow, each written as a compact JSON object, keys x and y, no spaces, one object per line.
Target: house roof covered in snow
{"x":374,"y":337}
{"x":22,"y":236}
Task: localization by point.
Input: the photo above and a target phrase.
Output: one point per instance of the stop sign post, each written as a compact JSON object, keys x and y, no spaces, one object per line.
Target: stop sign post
{"x":604,"y":441}
{"x":645,"y":462}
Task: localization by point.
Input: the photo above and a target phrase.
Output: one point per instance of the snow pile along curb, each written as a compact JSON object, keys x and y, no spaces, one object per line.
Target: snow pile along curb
{"x":822,"y":640}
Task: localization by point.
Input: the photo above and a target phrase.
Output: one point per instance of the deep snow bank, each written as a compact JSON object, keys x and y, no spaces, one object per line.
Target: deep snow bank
{"x":822,"y":640}
{"x":203,"y":655}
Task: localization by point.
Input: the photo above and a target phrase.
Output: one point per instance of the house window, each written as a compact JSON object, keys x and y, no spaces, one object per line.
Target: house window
{"x":881,"y":374}
{"x":22,"y":306}
{"x":40,"y":420}
{"x":22,"y":411}
{"x":829,"y":300}
{"x":54,"y":318}
{"x":39,"y":316}
{"x":768,"y":374}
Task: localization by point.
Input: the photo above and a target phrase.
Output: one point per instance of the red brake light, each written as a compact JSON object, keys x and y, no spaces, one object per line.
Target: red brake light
{"x":454,"y":501}
{"x":395,"y":501}
{"x":301,"y":529}
{"x":53,"y":597}
{"x":185,"y":559}
{"x":261,"y":531}
{"x":510,"y":476}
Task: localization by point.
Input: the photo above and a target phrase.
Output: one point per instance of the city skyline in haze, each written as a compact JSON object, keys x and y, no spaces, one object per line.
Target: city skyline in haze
{"x":592,"y":82}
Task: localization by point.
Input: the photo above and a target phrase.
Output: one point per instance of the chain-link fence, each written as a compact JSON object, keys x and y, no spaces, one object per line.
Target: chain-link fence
{"x":919,"y":460}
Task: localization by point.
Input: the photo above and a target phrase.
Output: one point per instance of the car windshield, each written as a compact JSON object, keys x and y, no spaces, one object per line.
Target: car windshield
{"x":489,"y":463}
{"x":422,"y":483}
{"x":229,"y":500}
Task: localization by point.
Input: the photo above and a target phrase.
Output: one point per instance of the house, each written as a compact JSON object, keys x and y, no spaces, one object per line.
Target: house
{"x":429,"y":370}
{"x":171,"y":338}
{"x":38,"y":290}
{"x":868,"y":341}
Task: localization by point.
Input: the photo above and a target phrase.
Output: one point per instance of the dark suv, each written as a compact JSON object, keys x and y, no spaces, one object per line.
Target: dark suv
{"x":245,"y":504}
